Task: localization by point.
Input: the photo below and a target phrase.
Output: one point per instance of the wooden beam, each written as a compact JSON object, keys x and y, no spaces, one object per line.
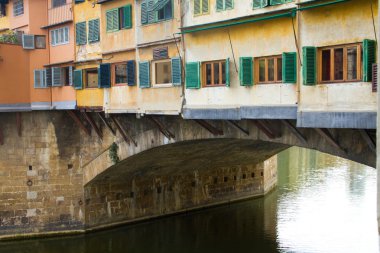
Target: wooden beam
{"x":19,"y":123}
{"x":162,"y":128}
{"x":295,"y":131}
{"x":212,"y":129}
{"x":127,"y":138}
{"x":236,"y":125}
{"x":77,"y":120}
{"x":370,"y":142}
{"x":265,"y":129}
{"x":325,"y":133}
{"x":92,"y":123}
{"x":1,"y":136}
{"x":108,"y":125}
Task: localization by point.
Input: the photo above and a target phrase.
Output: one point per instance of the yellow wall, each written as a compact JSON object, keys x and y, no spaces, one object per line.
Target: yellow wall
{"x":4,"y":21}
{"x":89,"y":97}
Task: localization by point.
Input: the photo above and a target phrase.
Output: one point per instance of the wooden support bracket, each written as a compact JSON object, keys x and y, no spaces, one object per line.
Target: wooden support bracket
{"x":162,"y":128}
{"x":325,"y":133}
{"x":92,"y":123}
{"x":127,"y":138}
{"x":19,"y":124}
{"x":108,"y":125}
{"x":212,"y":129}
{"x":236,"y":125}
{"x":77,"y":120}
{"x":1,"y":136}
{"x":295,"y":131}
{"x":370,"y":142}
{"x":265,"y":129}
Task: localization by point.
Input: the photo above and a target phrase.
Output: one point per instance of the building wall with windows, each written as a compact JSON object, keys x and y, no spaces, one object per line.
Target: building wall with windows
{"x":19,"y":16}
{"x":62,"y":47}
{"x":343,"y":26}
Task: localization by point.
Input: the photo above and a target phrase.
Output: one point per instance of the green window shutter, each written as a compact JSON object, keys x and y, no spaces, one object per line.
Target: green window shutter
{"x":127,"y":13}
{"x":228,"y":72}
{"x":275,"y":2}
{"x":193,"y":75}
{"x":369,"y":57}
{"x":80,"y":33}
{"x":144,"y":74}
{"x":48,"y":77}
{"x":289,"y":67}
{"x":104,"y":75}
{"x":78,"y":79}
{"x":176,"y":71}
{"x":260,"y":4}
{"x":205,"y":4}
{"x":131,"y":73}
{"x":144,"y":13}
{"x":228,"y":4}
{"x":219,"y":5}
{"x":93,"y":30}
{"x":152,"y":15}
{"x":246,"y":71}
{"x":112,"y":19}
{"x":197,"y":7}
{"x":309,"y":69}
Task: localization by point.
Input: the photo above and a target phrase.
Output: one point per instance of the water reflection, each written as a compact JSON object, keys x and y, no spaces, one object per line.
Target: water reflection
{"x":322,"y":204}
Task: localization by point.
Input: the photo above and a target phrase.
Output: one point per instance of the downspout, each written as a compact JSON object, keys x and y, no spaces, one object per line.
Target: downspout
{"x":298,"y":18}
{"x":48,"y":42}
{"x":183,"y":58}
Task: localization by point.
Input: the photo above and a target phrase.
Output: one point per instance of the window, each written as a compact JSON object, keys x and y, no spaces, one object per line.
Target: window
{"x":80,"y":33}
{"x":39,"y":79}
{"x":162,"y":72}
{"x":62,"y":76}
{"x":214,"y":73}
{"x":18,"y":7}
{"x":340,"y":63}
{"x":91,"y":76}
{"x":57,"y":3}
{"x":201,"y":7}
{"x":263,"y":3}
{"x":269,"y":69}
{"x":59,"y":36}
{"x":3,"y":10}
{"x":119,"y":18}
{"x":40,"y":41}
{"x":93,"y":30}
{"x":154,"y":11}
{"x":121,"y":73}
{"x":222,"y":5}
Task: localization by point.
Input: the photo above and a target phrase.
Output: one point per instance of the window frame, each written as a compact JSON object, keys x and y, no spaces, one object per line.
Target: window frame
{"x":60,"y":43}
{"x":153,"y":75}
{"x":90,"y":41}
{"x":85,"y":79}
{"x":21,"y":9}
{"x":36,"y":37}
{"x":156,"y":20}
{"x":359,"y":62}
{"x":59,"y":5}
{"x":257,"y":69}
{"x":203,"y":73}
{"x":224,"y":6}
{"x":119,"y":23}
{"x":113,"y":73}
{"x":201,"y":9}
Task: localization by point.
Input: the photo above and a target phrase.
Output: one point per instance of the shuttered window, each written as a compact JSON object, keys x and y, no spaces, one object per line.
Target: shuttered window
{"x":369,"y":58}
{"x":201,"y":7}
{"x":56,"y":76}
{"x":374,"y":77}
{"x":78,"y":79}
{"x":156,"y":10}
{"x":263,"y":3}
{"x":125,"y":73}
{"x":93,"y":31}
{"x":18,"y":7}
{"x":289,"y":67}
{"x":119,"y":18}
{"x":215,"y":73}
{"x":176,"y":71}
{"x":246,"y":71}
{"x":131,"y":72}
{"x":193,"y":75}
{"x":39,"y":79}
{"x":222,"y":5}
{"x":125,"y":14}
{"x":144,"y":74}
{"x":48,"y":77}
{"x":60,"y":36}
{"x":80,"y":33}
{"x":104,"y":75}
{"x":309,"y":65}
{"x":268,"y":69}
{"x":112,"y":17}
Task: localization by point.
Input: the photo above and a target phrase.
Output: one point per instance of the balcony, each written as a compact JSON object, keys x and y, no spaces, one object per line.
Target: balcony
{"x":60,"y":14}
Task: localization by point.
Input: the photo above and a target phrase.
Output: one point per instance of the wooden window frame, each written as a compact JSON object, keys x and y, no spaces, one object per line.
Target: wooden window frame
{"x":204,"y":83}
{"x":113,"y":74}
{"x":332,"y":72}
{"x":257,"y":69}
{"x":153,"y":73}
{"x":85,"y":79}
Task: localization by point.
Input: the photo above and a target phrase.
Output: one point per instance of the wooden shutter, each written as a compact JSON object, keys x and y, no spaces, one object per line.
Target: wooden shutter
{"x":259,"y":4}
{"x":80,"y":33}
{"x":131,"y":73}
{"x":127,"y":13}
{"x":176,"y":71}
{"x":78,"y":79}
{"x":197,"y":7}
{"x":93,"y":30}
{"x":205,"y":6}
{"x":289,"y":67}
{"x":228,"y":4}
{"x":144,"y":74}
{"x":57,"y":76}
{"x":227,"y":72}
{"x":369,"y":58}
{"x":112,"y":19}
{"x":104,"y":75}
{"x":144,"y":13}
{"x":48,"y":77}
{"x":219,"y":5}
{"x":193,"y":75}
{"x":374,"y":77}
{"x":309,"y":68}
{"x":28,"y":41}
{"x":152,"y":17}
{"x":160,"y":53}
{"x":246,"y":71}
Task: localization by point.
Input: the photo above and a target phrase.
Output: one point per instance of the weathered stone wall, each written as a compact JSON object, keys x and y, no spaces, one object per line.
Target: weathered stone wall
{"x":143,"y":197}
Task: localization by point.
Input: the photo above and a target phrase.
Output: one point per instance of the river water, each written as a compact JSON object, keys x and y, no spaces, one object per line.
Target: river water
{"x":322,"y":204}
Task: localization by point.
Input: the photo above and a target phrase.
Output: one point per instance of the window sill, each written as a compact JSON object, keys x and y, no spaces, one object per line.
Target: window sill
{"x":214,"y":86}
{"x":60,"y":44}
{"x":341,"y":82}
{"x":166,"y":85}
{"x":157,"y":22}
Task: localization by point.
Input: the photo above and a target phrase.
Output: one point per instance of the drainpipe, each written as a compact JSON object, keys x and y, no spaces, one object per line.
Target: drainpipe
{"x":183,"y":58}
{"x":48,"y":43}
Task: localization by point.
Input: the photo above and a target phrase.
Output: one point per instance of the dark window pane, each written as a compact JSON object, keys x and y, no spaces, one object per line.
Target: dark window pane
{"x":163,"y":72}
{"x":279,"y":69}
{"x":338,"y":64}
{"x":121,"y":73}
{"x":216,"y":73}
{"x":352,"y":68}
{"x":166,"y":12}
{"x":326,"y":63}
{"x":262,"y":70}
{"x":271,"y":70}
{"x":208,"y":74}
{"x":223,"y":72}
{"x":92,"y":78}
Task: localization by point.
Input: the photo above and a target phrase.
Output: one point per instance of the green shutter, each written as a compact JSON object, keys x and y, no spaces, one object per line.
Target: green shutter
{"x":219,"y":5}
{"x":259,"y":4}
{"x":205,"y":4}
{"x":112,"y":19}
{"x":246,"y":71}
{"x":104,"y":75}
{"x":127,"y":13}
{"x":152,"y":15}
{"x":144,"y":74}
{"x":80,"y":33}
{"x":176,"y":71}
{"x":228,"y":72}
{"x":369,"y":58}
{"x":289,"y":67}
{"x":144,"y":13}
{"x":228,"y":4}
{"x":275,"y":2}
{"x":193,"y":75}
{"x":309,"y":68}
{"x":197,"y":7}
{"x":93,"y":30}
{"x":78,"y":79}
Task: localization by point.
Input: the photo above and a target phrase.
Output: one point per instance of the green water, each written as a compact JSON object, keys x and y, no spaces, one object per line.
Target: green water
{"x":322,"y":204}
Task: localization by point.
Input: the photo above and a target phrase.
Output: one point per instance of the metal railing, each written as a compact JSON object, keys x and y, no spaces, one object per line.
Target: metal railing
{"x":60,"y":14}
